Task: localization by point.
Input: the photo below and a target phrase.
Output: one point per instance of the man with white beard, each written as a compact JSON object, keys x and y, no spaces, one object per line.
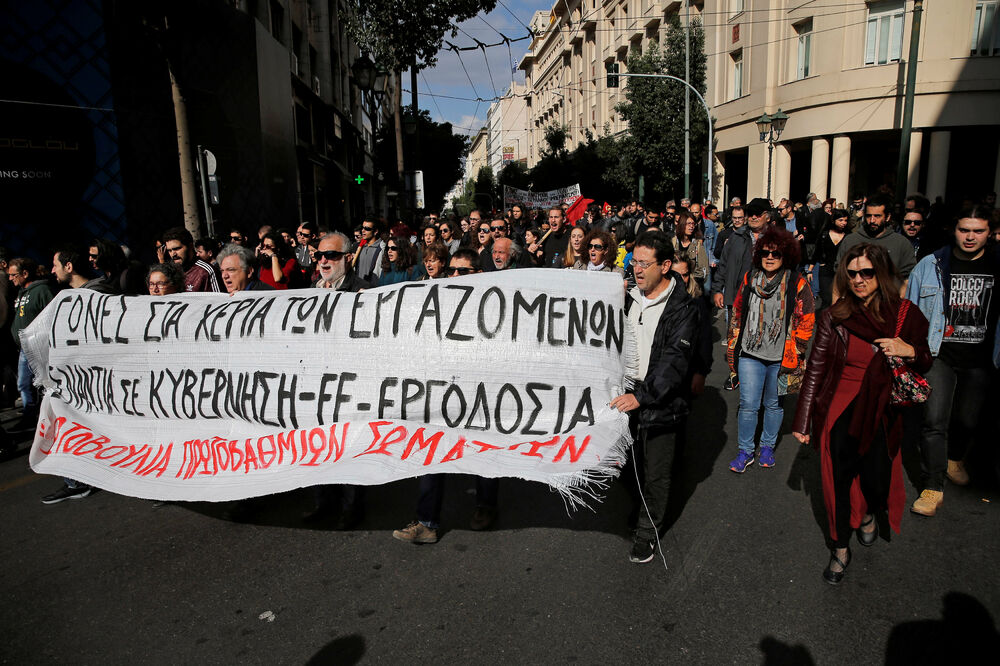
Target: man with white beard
{"x":331,"y":261}
{"x":345,"y":502}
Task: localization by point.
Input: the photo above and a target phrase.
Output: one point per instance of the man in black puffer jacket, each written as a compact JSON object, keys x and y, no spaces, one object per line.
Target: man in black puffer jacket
{"x":663,"y":323}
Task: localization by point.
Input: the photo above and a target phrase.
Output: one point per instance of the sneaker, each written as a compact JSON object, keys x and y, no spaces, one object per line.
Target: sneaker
{"x":957,"y":474}
{"x":928,"y":502}
{"x":66,"y":493}
{"x":741,"y":462}
{"x":642,"y":550}
{"x":766,"y":458}
{"x":416,"y":532}
{"x":732,"y":383}
{"x":483,"y":518}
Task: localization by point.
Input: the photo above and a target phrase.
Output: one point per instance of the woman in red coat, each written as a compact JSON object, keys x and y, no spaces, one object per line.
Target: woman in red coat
{"x":844,"y":399}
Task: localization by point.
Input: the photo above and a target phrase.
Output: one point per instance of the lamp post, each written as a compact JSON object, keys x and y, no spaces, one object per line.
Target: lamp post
{"x":770,"y":128}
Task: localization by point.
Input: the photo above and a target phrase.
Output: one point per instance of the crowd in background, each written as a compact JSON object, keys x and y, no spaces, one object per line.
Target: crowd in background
{"x":784,"y":275}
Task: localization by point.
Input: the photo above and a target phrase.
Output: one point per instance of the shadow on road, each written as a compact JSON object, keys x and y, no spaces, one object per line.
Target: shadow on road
{"x":777,"y":653}
{"x":341,"y":651}
{"x":966,"y":629}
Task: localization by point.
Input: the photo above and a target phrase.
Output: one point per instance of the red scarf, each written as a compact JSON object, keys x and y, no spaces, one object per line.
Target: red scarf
{"x":876,"y":386}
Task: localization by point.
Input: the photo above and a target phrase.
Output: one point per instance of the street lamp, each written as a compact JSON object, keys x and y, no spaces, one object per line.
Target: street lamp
{"x":770,"y":129}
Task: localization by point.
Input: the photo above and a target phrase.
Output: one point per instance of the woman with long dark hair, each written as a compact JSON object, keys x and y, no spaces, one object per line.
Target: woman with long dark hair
{"x":278,"y":266}
{"x":825,"y":254}
{"x":399,"y":262}
{"x":689,"y":242}
{"x":769,"y":330}
{"x":844,"y":408}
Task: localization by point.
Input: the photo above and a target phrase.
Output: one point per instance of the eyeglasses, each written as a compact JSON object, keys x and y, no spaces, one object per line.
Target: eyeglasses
{"x":94,"y":256}
{"x":329,"y":255}
{"x":499,"y":228}
{"x":767,"y":254}
{"x":865,"y":273}
{"x":303,"y":233}
{"x":913,"y":223}
{"x":392,"y":248}
{"x":484,"y":230}
{"x":368,"y":228}
{"x":595,"y":246}
{"x":643,"y":264}
{"x":459,"y":270}
{"x":158,"y":285}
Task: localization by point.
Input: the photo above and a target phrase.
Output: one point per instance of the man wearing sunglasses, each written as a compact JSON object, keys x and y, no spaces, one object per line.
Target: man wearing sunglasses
{"x":737,"y":254}
{"x":498,"y":230}
{"x":305,"y":244}
{"x":368,"y":258}
{"x":345,"y":501}
{"x":431,"y":495}
{"x":331,"y":263}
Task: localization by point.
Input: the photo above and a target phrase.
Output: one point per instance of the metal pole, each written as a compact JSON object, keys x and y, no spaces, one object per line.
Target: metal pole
{"x":708,"y":114}
{"x":770,"y":153}
{"x":202,"y":171}
{"x":902,"y":169}
{"x":687,"y":101}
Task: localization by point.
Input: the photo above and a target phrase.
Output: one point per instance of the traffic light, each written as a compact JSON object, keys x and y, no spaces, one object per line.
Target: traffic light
{"x":612,"y":69}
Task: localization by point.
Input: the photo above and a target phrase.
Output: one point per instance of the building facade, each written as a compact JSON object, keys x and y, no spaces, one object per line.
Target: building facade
{"x":507,"y":122}
{"x":838,"y":72}
{"x":836,"y":68}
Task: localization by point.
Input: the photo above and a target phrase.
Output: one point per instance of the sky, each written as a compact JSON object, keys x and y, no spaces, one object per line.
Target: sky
{"x":449,"y":78}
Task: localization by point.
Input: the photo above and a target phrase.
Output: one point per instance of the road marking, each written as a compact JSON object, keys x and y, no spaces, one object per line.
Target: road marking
{"x":17,"y":483}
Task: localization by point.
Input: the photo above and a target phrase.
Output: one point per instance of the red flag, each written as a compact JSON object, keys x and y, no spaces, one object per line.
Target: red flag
{"x":605,"y":209}
{"x":576,"y":211}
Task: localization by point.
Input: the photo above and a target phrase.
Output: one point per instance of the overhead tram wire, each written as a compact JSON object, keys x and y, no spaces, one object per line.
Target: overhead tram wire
{"x":433,"y":97}
{"x":530,"y":31}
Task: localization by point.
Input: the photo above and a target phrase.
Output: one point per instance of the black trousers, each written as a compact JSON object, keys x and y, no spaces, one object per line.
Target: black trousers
{"x":874,"y":470}
{"x":659,"y":448}
{"x":432,"y":494}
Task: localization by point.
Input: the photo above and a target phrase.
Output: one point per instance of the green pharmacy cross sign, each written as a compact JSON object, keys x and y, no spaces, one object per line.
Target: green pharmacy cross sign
{"x":359,"y":179}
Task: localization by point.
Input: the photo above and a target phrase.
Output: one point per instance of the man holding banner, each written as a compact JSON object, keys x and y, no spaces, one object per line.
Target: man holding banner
{"x":663,"y":320}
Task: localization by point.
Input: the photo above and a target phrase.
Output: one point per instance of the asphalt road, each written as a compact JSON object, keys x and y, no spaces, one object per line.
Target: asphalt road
{"x":115,"y":580}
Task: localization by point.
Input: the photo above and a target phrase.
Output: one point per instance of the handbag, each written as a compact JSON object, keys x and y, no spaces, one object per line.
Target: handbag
{"x":908,"y":387}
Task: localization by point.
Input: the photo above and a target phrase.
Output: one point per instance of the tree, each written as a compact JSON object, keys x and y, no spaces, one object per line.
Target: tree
{"x":399,"y":33}
{"x":485,"y":189}
{"x":654,"y":110}
{"x":441,"y":168}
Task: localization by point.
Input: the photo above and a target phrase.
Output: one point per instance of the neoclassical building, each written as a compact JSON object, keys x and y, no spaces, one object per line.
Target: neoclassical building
{"x":837,"y":68}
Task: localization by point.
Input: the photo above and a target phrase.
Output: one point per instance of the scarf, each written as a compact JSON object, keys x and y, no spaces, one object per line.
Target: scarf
{"x":873,"y":397}
{"x":765,"y":324}
{"x":594,"y":267}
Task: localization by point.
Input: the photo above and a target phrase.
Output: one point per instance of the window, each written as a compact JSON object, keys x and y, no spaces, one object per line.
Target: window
{"x":985,"y":40}
{"x":737,"y":6}
{"x":737,"y":69}
{"x":884,"y":41}
{"x":804,"y":55}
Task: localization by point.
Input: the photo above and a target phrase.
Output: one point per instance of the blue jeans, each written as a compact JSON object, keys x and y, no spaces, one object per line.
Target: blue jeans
{"x":758,"y":382}
{"x":24,"y":379}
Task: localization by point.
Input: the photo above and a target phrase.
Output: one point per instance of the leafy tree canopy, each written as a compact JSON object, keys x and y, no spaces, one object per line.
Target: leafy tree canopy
{"x":398,"y":33}
{"x":440,"y":158}
{"x":654,"y":110}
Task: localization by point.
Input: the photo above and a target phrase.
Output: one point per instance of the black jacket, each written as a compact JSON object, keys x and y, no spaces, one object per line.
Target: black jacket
{"x":736,"y":260}
{"x":664,"y":393}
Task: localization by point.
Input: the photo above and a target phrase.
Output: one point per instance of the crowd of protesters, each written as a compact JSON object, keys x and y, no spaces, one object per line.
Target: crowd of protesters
{"x":775,"y":272}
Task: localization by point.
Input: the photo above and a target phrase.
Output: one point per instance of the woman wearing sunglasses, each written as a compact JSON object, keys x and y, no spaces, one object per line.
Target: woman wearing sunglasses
{"x":399,"y":264}
{"x":597,"y":253}
{"x":769,"y":330}
{"x":845,"y":399}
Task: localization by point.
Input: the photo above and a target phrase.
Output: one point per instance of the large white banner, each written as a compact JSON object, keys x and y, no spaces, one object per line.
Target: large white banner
{"x":512,"y":195}
{"x":211,"y":397}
